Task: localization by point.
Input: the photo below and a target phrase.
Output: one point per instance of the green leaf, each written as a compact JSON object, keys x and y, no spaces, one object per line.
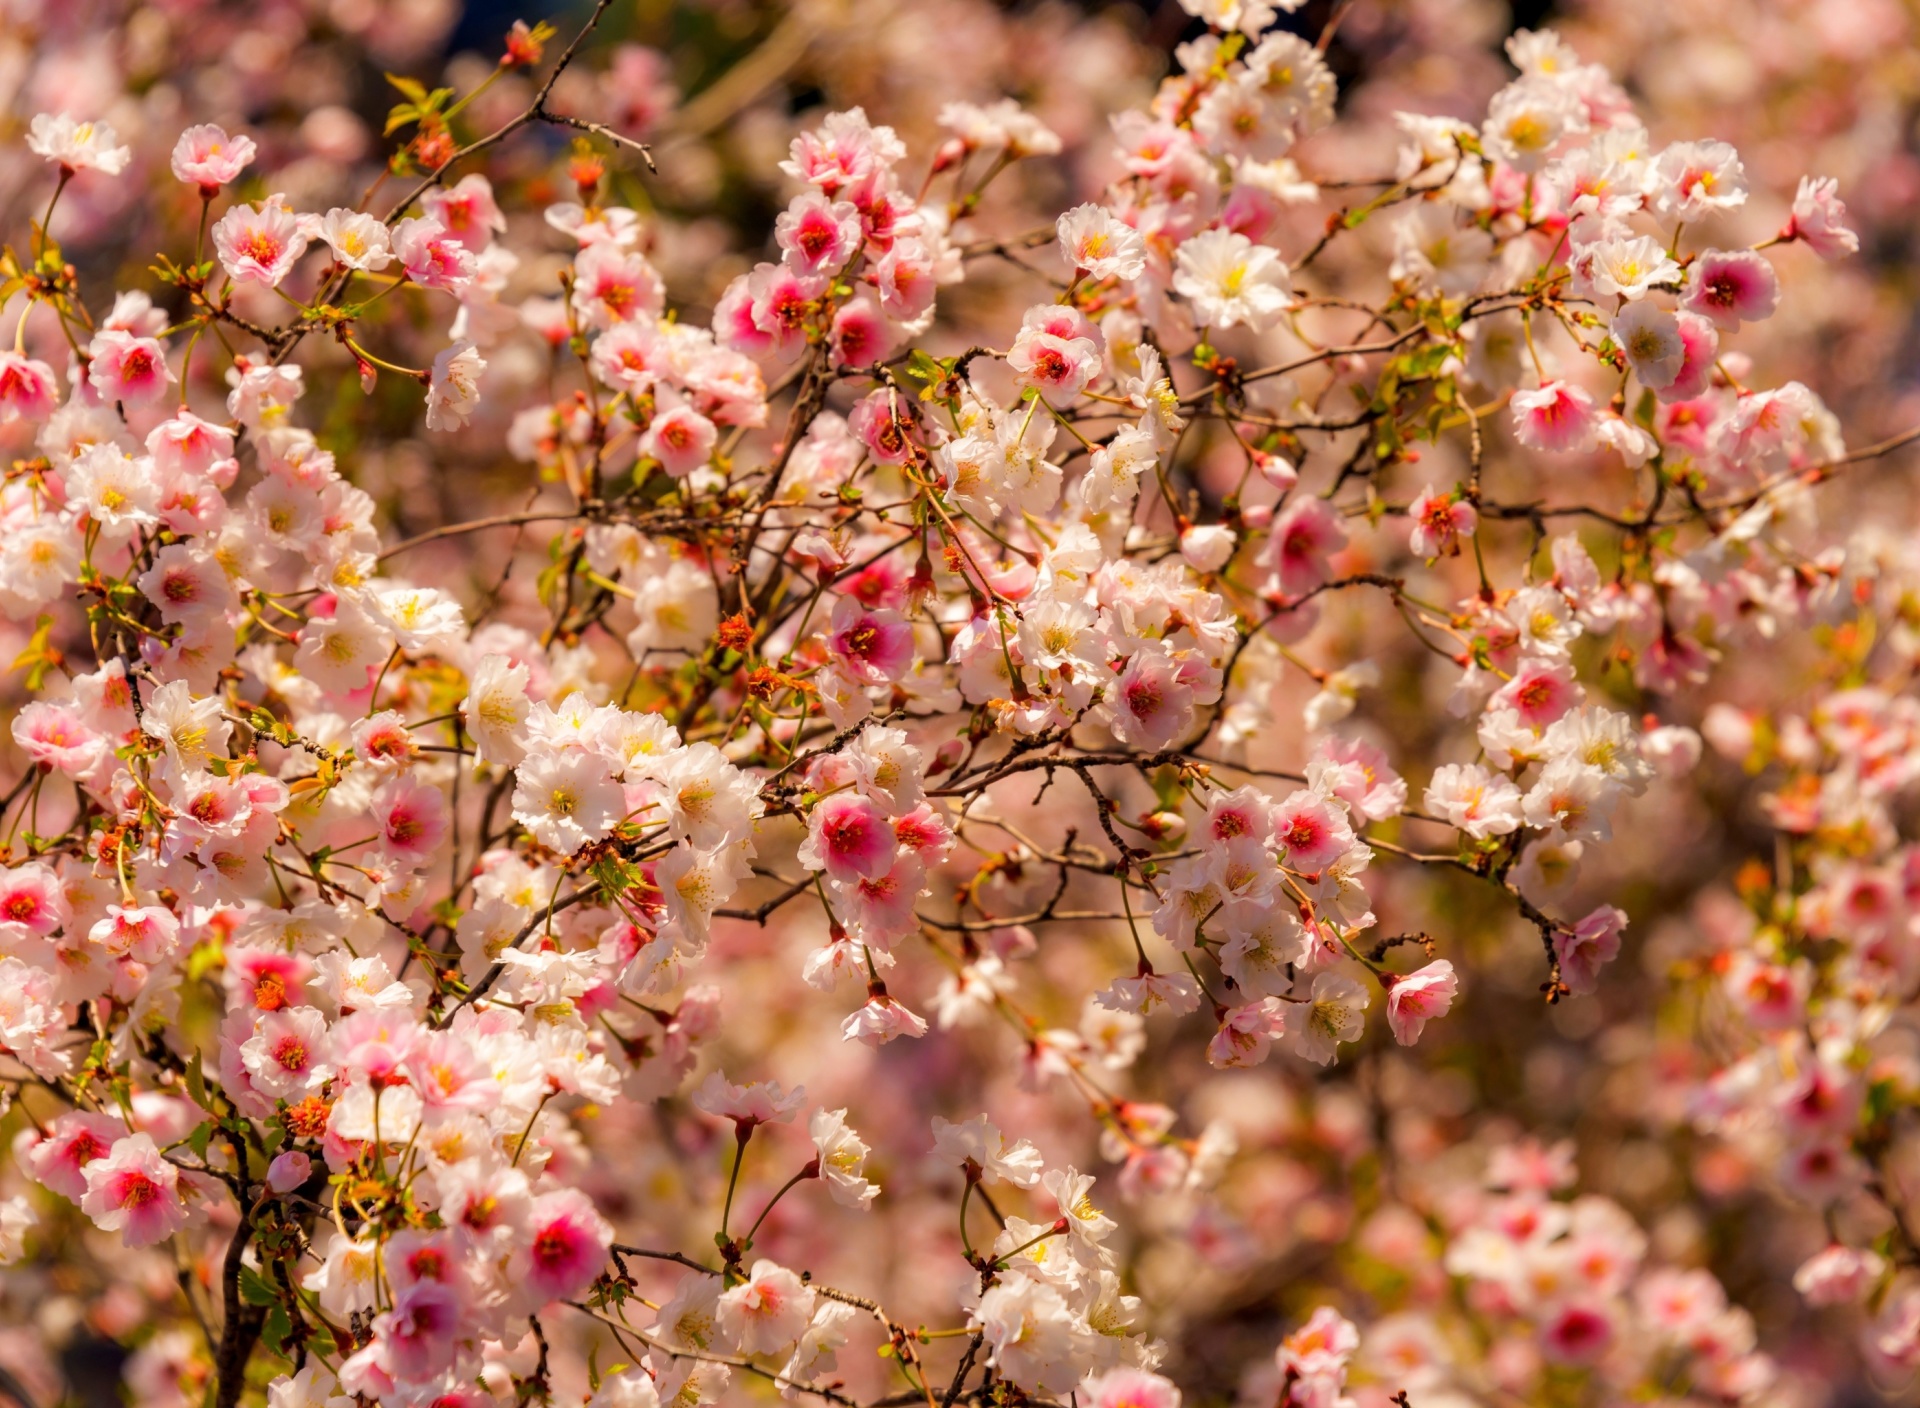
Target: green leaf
{"x":256,"y":1289}
{"x":412,"y":88}
{"x":202,"y":1136}
{"x":274,"y":1333}
{"x":39,"y":656}
{"x":197,"y":1088}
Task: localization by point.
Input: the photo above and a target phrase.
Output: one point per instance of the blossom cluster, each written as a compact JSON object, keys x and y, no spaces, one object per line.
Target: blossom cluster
{"x":924,"y":657}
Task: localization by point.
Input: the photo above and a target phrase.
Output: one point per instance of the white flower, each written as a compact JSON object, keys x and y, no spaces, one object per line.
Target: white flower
{"x":496,"y":710}
{"x":422,"y":618}
{"x":78,"y":146}
{"x":816,"y":1354}
{"x":1527,"y":119}
{"x":1247,"y":16}
{"x":1003,"y":123}
{"x":1694,"y":179}
{"x":358,"y":240}
{"x":1627,"y":268}
{"x":191,"y":730}
{"x":118,"y":492}
{"x":1480,"y":803}
{"x":978,"y":1142}
{"x":1094,"y":239}
{"x":1114,"y":469}
{"x":567,"y":800}
{"x":678,"y":610}
{"x":1338,"y":695}
{"x":455,"y":388}
{"x":1230,"y":280}
{"x":337,"y":651}
{"x":1649,"y":336}
{"x":767,"y":1312}
{"x":1030,"y":1333}
{"x":843,"y":1159}
{"x":1335,"y":1012}
{"x":630,"y":1388}
{"x":16,"y":1218}
{"x":1073,"y":1194}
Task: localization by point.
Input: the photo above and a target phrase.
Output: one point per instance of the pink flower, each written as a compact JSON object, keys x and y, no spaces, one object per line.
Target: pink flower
{"x":681,"y":439}
{"x":411,"y":818}
{"x":1321,"y":1347}
{"x":288,"y":1171}
{"x":750,"y":1105}
{"x":1772,"y":996}
{"x":55,"y":736}
{"x":1557,"y":418}
{"x":205,"y":156}
{"x":1540,"y":691}
{"x":1313,"y":829}
{"x":1304,"y":536}
{"x":420,"y":1335}
{"x":1838,"y":1275}
{"x":886,"y":427}
{"x":904,"y":280}
{"x":1577,"y":1334}
{"x":1592,"y":944}
{"x":781,"y":304}
{"x":1057,"y":367}
{"x":134,"y":1191}
{"x":843,"y":151}
{"x":879,"y":910}
{"x":1439,"y":522}
{"x":130,"y":370}
{"x":27,"y":388}
{"x":1731,"y":287}
{"x":467,"y":210}
{"x":1152,"y":704}
{"x":76,"y":145}
{"x":259,"y":244}
{"x":1358,"y":773}
{"x":875,"y":647}
{"x":861,"y":334}
{"x":59,"y":1160}
{"x":286,"y":1057}
{"x":447,"y":1070}
{"x":818,"y":233}
{"x":849,"y":836}
{"x":566,"y":1247}
{"x":1701,"y":341}
{"x":144,"y":933}
{"x":882,"y":1019}
{"x":1247,"y":1033}
{"x":31,"y":900}
{"x":1479,"y":802}
{"x":1820,"y":219}
{"x":431,"y":256}
{"x":1129,"y":1388}
{"x":1418,"y":997}
{"x":1057,"y":351}
{"x":767,"y":1312}
{"x":612,"y":286}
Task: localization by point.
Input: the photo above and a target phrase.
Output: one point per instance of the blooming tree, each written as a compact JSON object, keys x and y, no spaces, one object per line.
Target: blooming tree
{"x":970,"y":644}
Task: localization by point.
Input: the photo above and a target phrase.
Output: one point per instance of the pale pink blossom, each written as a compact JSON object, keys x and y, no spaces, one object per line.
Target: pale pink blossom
{"x":1418,"y":997}
{"x":205,"y":156}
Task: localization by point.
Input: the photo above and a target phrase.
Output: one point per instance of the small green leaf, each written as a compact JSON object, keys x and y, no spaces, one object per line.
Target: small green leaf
{"x":256,"y":1289}
{"x":412,"y":88}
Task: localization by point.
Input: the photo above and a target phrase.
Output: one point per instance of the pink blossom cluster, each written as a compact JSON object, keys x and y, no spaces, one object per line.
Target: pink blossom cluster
{"x":968,"y":643}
